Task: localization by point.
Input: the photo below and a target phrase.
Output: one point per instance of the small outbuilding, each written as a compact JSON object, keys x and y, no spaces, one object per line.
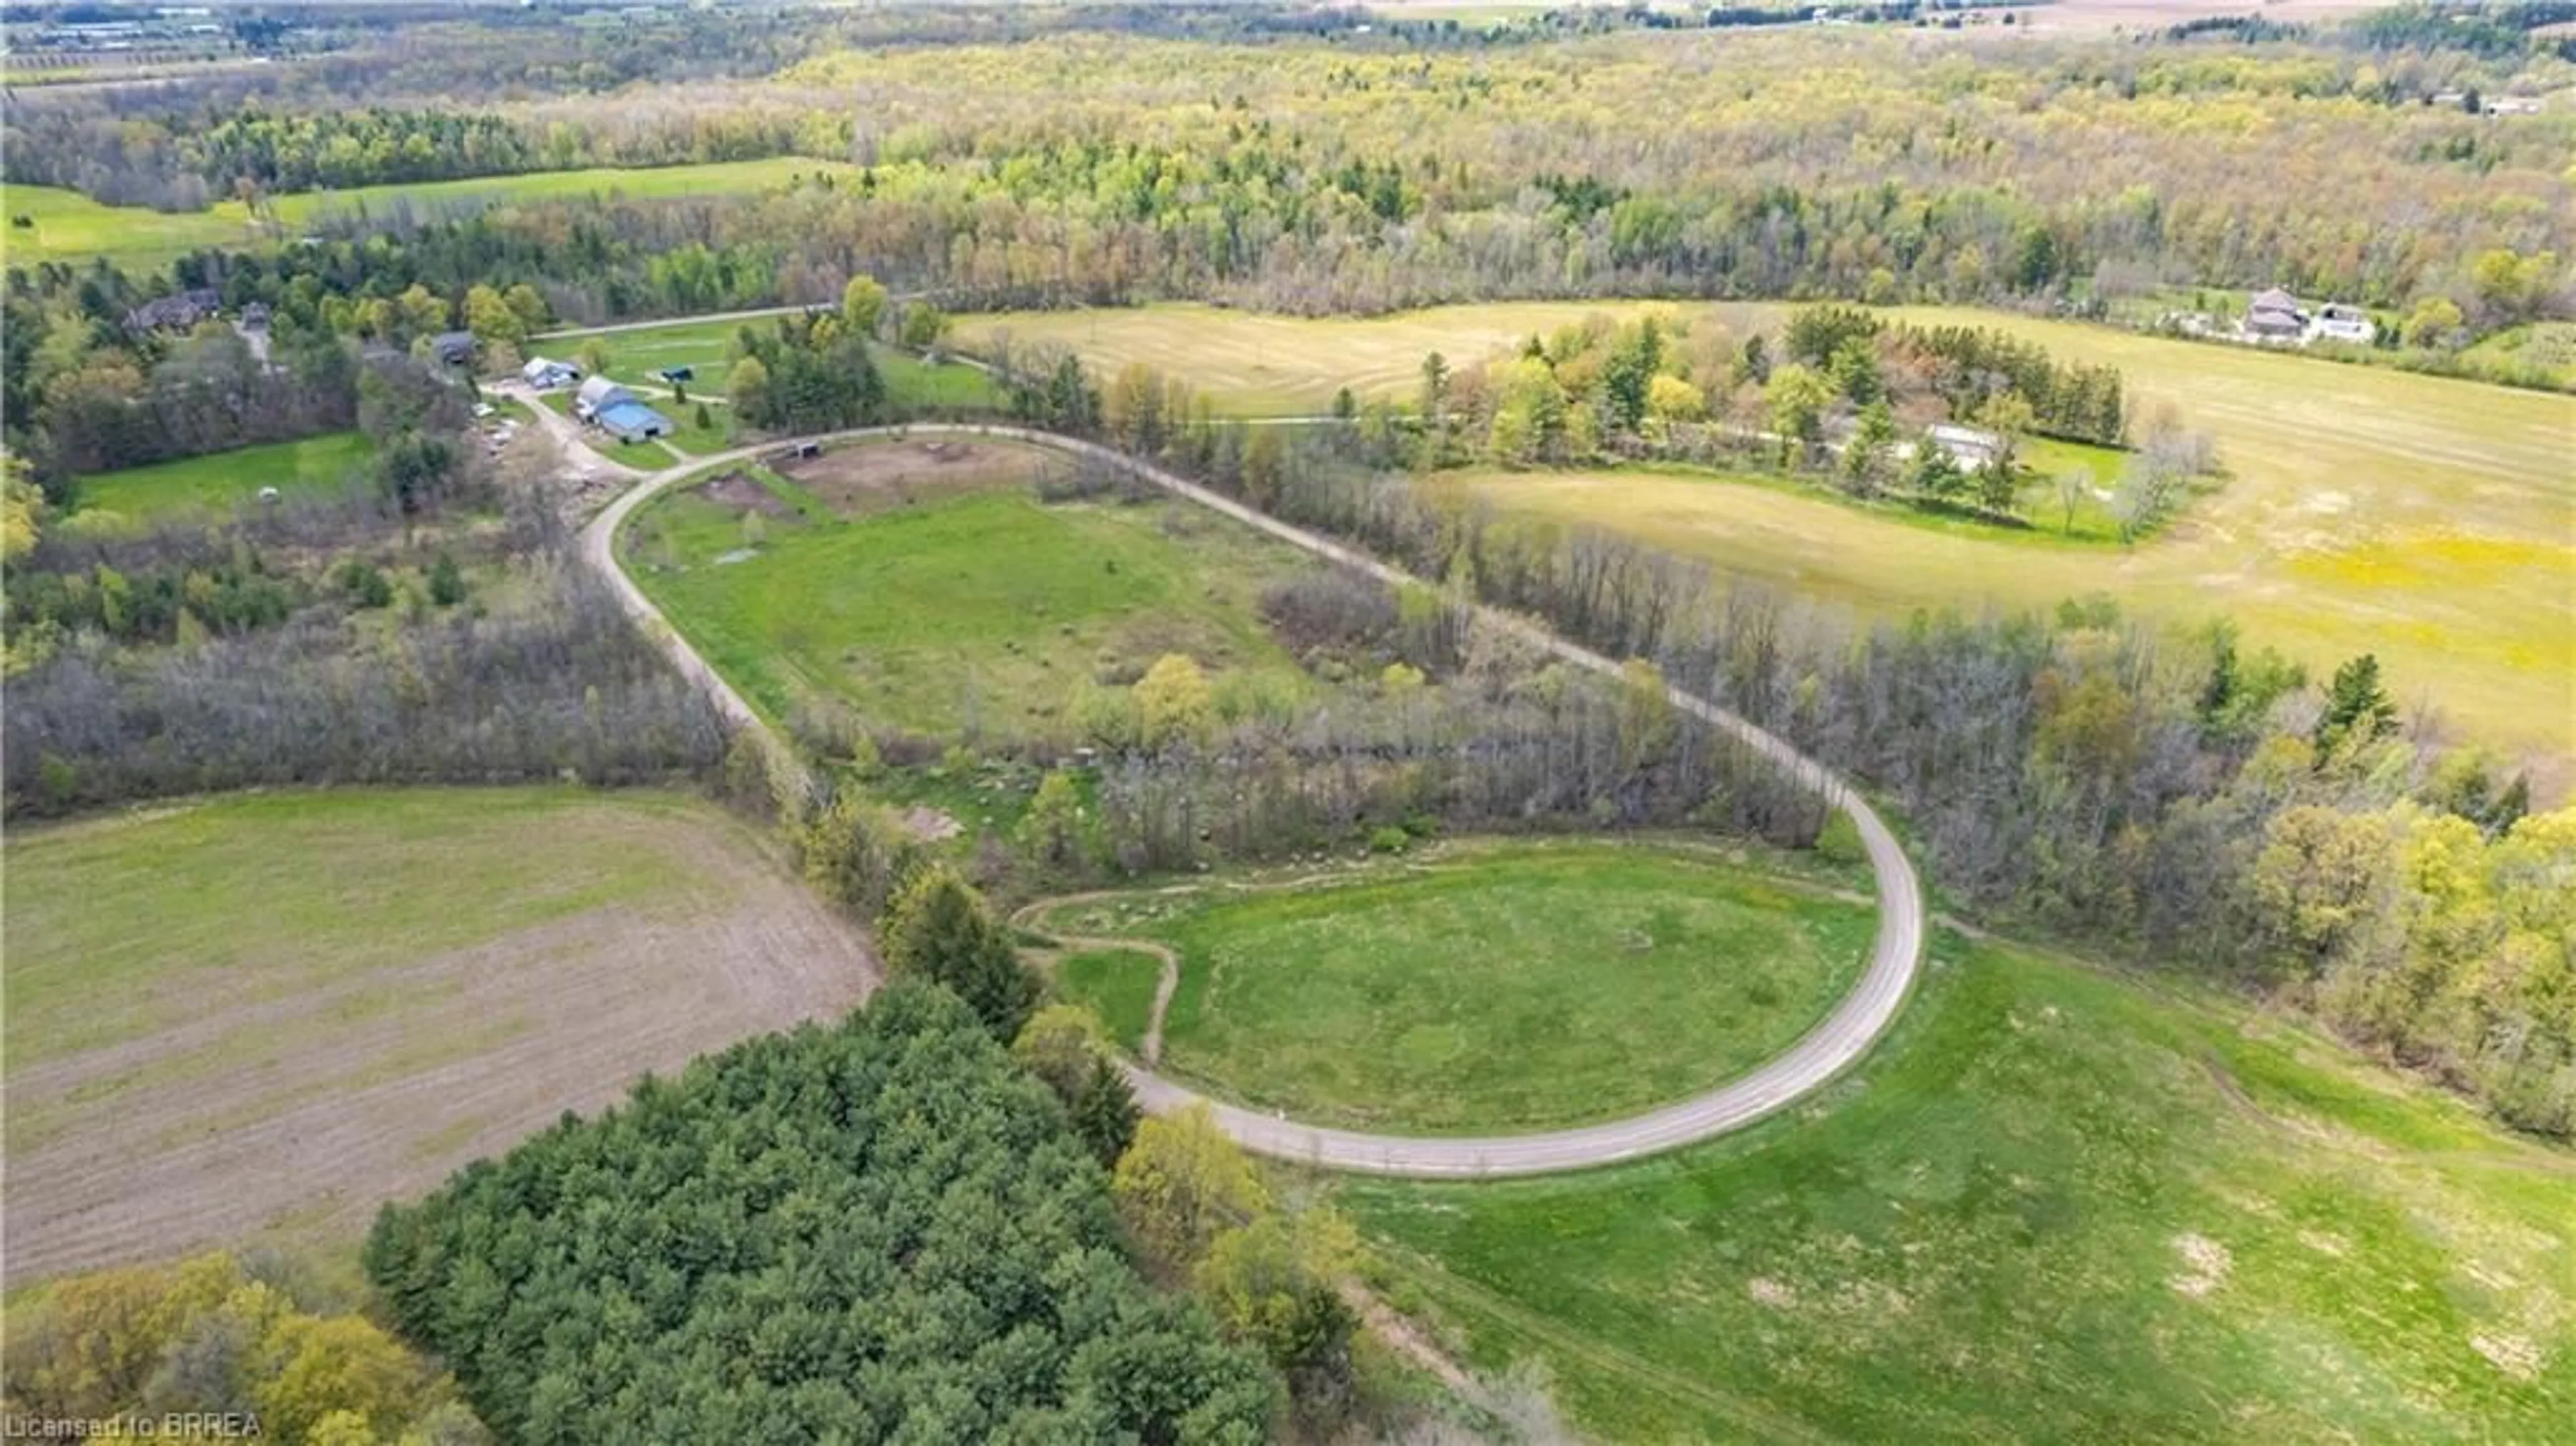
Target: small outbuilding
{"x":545,"y":375}
{"x":453,"y":348}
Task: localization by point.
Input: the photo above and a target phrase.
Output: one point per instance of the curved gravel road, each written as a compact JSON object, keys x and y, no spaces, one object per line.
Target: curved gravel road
{"x":1896,"y":956}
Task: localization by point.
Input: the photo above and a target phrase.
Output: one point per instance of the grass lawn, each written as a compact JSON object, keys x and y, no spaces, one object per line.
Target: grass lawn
{"x":2044,"y":460}
{"x":267,"y":1012}
{"x":1504,"y":987}
{"x":2368,"y":509}
{"x":697,"y":441}
{"x":974,"y":608}
{"x":1119,"y":986}
{"x":917,"y":385}
{"x":634,"y":356}
{"x":2054,"y":1206}
{"x":216,"y":484}
{"x":72,"y":227}
{"x":703,"y":346}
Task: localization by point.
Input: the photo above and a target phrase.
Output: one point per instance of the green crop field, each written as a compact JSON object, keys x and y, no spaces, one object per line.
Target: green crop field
{"x":71,"y":227}
{"x":2367,"y":509}
{"x":927,"y":588}
{"x":636,"y":353}
{"x":2053,"y":1206}
{"x":214,"y":485}
{"x":1503,"y":987}
{"x":264,"y":1014}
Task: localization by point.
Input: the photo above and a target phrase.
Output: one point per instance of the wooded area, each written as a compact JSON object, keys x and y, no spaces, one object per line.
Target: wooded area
{"x":881,"y":1230}
{"x":220,"y":1336}
{"x":1343,"y":173}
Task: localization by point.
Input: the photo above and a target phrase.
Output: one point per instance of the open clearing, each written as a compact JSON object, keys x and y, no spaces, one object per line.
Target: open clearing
{"x":2151,"y":15}
{"x":1501,"y":987}
{"x":705,"y":347}
{"x":2429,"y":520}
{"x":213,"y":486}
{"x":72,"y":227}
{"x":1256,"y":365}
{"x":858,"y":481}
{"x":263,"y":1016}
{"x":980,"y":608}
{"x":2052,"y":1205}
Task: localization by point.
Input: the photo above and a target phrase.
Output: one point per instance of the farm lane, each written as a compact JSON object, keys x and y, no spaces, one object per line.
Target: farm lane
{"x":1896,"y":955}
{"x":754,"y":314}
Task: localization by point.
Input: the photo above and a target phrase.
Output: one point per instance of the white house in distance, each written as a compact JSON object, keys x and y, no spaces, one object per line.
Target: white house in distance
{"x":2335,"y":321}
{"x":545,"y":375}
{"x":1973,"y":450}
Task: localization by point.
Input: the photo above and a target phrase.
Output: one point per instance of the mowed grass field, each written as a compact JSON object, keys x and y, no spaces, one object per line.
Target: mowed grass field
{"x":635,"y":354}
{"x":2053,"y":1206}
{"x":1255,"y":365}
{"x":1503,"y":987}
{"x":927,"y":588}
{"x":2429,"y":520}
{"x":214,"y":486}
{"x":71,"y":227}
{"x":261,"y":1016}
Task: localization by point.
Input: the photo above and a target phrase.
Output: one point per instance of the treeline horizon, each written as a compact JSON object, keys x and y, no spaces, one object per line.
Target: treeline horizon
{"x":1310,"y":178}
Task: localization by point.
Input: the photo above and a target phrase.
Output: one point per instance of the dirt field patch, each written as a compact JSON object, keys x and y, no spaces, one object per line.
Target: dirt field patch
{"x":742,"y":494}
{"x":875,"y":476}
{"x":305,"y":1005}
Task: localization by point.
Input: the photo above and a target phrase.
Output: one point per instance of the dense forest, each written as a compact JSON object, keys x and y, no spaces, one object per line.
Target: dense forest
{"x":881,"y":1230}
{"x":1346,"y":173}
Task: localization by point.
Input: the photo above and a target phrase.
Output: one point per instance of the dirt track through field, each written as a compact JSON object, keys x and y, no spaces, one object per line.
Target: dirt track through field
{"x":1832,"y":1047}
{"x":293,"y":1117}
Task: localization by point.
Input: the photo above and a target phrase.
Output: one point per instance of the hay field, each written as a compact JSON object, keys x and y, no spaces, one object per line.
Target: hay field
{"x":2430,"y":520}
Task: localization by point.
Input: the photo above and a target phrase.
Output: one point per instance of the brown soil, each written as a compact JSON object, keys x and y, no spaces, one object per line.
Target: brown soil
{"x":930,"y":825}
{"x":742,"y":494}
{"x":875,"y":476}
{"x":342,"y":1102}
